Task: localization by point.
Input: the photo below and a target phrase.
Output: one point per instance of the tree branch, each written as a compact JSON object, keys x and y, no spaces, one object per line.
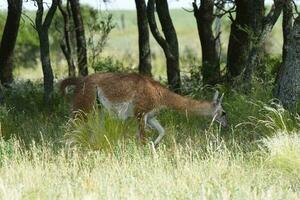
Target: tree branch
{"x":39,"y":15}
{"x":50,"y":14}
{"x":274,"y":13}
{"x":153,"y":27}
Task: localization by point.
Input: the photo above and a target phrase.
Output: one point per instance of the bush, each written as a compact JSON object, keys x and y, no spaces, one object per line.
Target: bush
{"x":108,"y":64}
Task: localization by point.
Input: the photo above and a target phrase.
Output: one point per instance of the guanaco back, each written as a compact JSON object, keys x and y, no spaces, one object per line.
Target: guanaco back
{"x":135,"y":95}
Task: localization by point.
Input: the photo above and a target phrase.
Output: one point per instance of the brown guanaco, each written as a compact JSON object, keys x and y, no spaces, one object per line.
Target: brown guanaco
{"x":135,"y":95}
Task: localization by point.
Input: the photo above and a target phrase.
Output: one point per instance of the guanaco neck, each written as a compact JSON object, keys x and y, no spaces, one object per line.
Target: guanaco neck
{"x":186,"y":104}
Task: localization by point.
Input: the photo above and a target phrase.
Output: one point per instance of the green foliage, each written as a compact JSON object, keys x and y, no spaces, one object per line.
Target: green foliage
{"x":25,"y":115}
{"x":268,"y":68}
{"x":27,"y":46}
{"x":108,"y":64}
{"x":99,"y":27}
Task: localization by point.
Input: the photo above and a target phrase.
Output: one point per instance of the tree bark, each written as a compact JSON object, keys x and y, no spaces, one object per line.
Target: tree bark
{"x":169,"y":44}
{"x":287,"y":26}
{"x":66,"y":43}
{"x":46,"y":64}
{"x":80,"y":38}
{"x":204,"y":15}
{"x":42,"y":29}
{"x":217,"y":29}
{"x":260,"y":38}
{"x":9,"y":39}
{"x":144,"y":45}
{"x":289,"y":81}
{"x":244,"y":31}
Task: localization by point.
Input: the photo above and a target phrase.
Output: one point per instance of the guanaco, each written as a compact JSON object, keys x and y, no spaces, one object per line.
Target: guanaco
{"x":135,"y":95}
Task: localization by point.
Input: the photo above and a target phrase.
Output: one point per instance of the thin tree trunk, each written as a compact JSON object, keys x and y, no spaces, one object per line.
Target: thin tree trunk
{"x":210,"y":61}
{"x":42,"y":28}
{"x":9,"y":39}
{"x":287,"y":26}
{"x":80,"y":38}
{"x":144,"y":45}
{"x":169,"y":44}
{"x":217,"y":29}
{"x":66,"y":43}
{"x":289,"y":81}
{"x":168,"y":29}
{"x":46,"y":64}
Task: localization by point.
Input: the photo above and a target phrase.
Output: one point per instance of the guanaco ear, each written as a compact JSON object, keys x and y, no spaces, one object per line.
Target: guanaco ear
{"x":221,"y":99}
{"x":215,"y":99}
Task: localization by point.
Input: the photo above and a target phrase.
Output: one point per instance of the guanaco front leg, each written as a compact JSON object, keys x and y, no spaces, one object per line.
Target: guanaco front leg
{"x":153,"y":123}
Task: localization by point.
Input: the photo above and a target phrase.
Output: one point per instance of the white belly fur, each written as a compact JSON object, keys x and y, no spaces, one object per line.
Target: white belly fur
{"x":122,"y":109}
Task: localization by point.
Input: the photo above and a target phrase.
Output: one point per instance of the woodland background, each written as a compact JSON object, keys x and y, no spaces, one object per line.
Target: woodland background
{"x":246,"y":49}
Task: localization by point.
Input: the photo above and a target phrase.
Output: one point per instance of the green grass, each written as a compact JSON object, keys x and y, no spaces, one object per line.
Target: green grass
{"x":45,"y":155}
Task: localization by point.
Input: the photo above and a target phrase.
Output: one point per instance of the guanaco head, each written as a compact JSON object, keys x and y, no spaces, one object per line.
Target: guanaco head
{"x":219,"y":113}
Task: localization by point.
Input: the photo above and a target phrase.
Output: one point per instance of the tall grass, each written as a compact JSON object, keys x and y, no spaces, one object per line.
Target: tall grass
{"x":45,"y":156}
{"x":132,"y":172}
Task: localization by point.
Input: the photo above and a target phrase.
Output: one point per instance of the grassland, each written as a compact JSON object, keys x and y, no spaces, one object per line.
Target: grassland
{"x":45,"y":155}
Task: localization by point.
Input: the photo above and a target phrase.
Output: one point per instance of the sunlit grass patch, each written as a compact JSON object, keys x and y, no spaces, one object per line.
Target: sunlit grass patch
{"x":284,"y":153}
{"x":97,"y":130}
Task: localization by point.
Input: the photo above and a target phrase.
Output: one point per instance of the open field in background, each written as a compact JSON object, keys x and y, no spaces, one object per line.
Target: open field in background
{"x":123,"y":45}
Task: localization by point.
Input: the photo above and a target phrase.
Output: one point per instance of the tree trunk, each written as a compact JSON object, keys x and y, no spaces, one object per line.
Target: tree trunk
{"x":168,"y":29}
{"x":46,"y":64}
{"x":80,"y":38}
{"x":144,"y":46}
{"x":42,"y":28}
{"x":217,"y":29}
{"x":66,"y":43}
{"x":210,"y":61}
{"x":169,"y":44}
{"x":260,"y":38}
{"x":289,"y":81}
{"x":244,"y":31}
{"x":287,"y":26}
{"x":9,"y":39}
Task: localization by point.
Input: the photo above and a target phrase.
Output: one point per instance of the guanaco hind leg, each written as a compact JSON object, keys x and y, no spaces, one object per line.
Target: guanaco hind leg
{"x":141,"y":129}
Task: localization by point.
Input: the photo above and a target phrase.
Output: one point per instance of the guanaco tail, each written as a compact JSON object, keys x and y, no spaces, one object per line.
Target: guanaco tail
{"x":135,"y":95}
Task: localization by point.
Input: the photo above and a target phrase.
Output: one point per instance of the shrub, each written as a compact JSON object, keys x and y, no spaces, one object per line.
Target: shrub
{"x":108,"y":64}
